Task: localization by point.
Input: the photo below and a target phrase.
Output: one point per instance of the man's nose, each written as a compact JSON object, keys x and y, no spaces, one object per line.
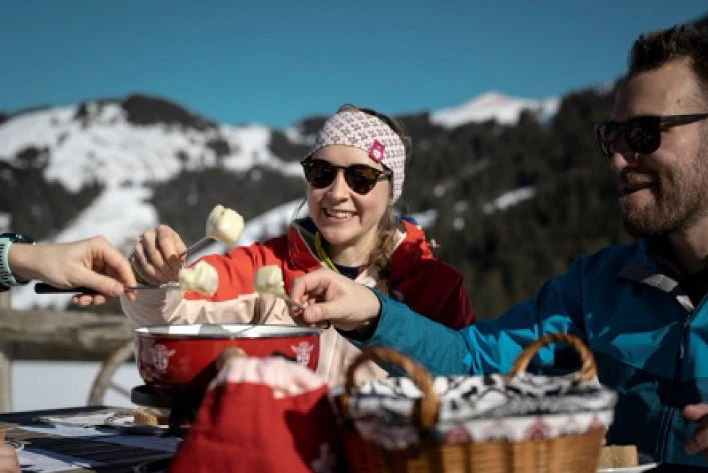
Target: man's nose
{"x":622,"y":159}
{"x":622,"y":156}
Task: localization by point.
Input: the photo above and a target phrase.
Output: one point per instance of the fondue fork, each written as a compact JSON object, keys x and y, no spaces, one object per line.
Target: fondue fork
{"x":288,"y":300}
{"x":199,"y":245}
{"x":42,"y":288}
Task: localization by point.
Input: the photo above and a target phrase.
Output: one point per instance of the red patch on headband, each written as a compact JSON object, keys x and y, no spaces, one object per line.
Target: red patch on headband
{"x":376,"y":152}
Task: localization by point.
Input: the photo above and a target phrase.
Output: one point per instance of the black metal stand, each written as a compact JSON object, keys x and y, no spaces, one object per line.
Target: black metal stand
{"x":183,"y":406}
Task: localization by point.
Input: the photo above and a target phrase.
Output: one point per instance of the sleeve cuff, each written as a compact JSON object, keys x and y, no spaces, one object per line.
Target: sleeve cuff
{"x":7,"y":279}
{"x":366,"y":331}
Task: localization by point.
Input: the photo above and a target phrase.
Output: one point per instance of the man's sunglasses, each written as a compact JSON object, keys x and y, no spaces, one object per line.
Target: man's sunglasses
{"x":642,"y":134}
{"x":359,"y":177}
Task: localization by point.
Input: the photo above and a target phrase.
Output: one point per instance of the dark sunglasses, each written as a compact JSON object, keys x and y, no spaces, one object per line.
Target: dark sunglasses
{"x":359,"y":177}
{"x":642,"y":134}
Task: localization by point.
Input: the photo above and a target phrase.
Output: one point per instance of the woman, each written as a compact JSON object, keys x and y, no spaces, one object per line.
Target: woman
{"x":355,"y":173}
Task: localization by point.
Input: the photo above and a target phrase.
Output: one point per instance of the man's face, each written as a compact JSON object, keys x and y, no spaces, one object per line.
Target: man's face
{"x":665,"y":191}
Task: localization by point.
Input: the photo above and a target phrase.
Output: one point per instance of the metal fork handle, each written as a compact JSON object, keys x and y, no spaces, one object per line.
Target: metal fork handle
{"x":199,"y":245}
{"x":291,"y":302}
{"x":43,"y":288}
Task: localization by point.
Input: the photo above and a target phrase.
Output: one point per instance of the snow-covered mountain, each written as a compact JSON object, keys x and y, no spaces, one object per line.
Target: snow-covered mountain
{"x":129,"y":148}
{"x":494,"y":106}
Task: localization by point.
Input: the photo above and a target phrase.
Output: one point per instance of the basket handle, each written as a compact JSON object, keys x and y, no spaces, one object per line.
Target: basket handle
{"x":427,"y":407}
{"x":588,"y":369}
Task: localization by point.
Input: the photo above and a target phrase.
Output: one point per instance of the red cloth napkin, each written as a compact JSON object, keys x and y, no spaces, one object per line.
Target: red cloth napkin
{"x":262,"y":415}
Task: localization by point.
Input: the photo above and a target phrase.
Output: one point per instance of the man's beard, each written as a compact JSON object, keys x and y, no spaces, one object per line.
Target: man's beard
{"x":679,"y":201}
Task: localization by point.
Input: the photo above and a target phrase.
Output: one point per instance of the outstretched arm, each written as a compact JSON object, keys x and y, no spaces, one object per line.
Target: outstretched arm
{"x":92,"y":263}
{"x":489,"y":346}
{"x":369,"y":318}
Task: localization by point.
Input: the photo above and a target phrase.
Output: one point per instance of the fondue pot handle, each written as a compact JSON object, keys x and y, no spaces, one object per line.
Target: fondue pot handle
{"x":588,"y":369}
{"x":227,"y":355}
{"x":427,"y":407}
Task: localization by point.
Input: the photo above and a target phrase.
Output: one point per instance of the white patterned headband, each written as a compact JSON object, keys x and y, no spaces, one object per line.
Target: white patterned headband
{"x":369,"y":133}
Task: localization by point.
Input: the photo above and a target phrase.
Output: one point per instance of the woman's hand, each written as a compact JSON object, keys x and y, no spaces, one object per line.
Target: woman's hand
{"x":156,"y":256}
{"x":328,"y":296}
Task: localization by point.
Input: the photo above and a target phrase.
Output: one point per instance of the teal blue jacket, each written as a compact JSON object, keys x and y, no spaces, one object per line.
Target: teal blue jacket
{"x":650,"y":343}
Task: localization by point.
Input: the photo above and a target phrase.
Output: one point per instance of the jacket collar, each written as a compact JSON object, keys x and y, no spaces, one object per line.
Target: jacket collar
{"x":410,"y":248}
{"x":653,"y":267}
{"x":301,"y":245}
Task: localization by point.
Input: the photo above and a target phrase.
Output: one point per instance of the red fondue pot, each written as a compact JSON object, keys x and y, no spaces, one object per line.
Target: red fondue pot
{"x":182,"y":358}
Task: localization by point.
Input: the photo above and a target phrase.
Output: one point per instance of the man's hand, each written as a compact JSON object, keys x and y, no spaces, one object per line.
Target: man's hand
{"x":698,"y":441}
{"x":93,"y":263}
{"x":8,"y":459}
{"x":328,"y":296}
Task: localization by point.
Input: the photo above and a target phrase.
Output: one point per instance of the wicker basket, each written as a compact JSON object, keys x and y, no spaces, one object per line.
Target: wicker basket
{"x":570,"y":453}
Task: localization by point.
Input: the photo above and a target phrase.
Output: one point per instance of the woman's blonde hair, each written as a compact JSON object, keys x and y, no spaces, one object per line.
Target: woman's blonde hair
{"x":380,"y":256}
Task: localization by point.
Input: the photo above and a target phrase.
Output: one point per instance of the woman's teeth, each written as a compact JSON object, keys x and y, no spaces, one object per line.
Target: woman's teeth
{"x":335,"y":214}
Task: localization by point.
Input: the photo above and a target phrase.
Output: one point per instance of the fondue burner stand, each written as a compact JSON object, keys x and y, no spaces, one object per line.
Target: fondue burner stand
{"x":183,"y":407}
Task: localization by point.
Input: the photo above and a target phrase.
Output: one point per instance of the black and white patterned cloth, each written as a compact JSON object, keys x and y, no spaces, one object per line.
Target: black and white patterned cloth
{"x":476,"y":409}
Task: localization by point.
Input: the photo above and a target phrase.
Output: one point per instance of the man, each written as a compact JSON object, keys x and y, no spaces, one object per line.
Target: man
{"x":639,"y":307}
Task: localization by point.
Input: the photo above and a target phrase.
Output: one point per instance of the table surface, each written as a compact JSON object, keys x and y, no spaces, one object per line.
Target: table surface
{"x":58,"y":440}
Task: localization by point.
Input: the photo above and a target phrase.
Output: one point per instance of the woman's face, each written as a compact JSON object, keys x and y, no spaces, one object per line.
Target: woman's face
{"x":343,"y":217}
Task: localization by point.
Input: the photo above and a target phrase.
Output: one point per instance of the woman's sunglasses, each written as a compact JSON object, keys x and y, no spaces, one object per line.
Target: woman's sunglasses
{"x":642,"y":134}
{"x":359,"y":177}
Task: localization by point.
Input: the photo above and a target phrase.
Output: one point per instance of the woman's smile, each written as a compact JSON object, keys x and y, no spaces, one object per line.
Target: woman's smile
{"x":338,"y":215}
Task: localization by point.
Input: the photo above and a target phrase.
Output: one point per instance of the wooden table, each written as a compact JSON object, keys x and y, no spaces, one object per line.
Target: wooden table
{"x":45,"y":445}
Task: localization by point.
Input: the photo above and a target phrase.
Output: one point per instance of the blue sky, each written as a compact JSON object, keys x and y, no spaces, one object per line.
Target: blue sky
{"x":275,"y":62}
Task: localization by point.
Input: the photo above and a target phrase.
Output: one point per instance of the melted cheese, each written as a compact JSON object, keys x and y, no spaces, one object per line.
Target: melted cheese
{"x":224,"y":224}
{"x":202,"y":277}
{"x":269,"y":280}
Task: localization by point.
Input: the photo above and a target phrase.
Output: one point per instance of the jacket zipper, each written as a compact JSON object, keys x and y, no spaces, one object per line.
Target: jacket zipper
{"x":676,"y":394}
{"x":669,"y":417}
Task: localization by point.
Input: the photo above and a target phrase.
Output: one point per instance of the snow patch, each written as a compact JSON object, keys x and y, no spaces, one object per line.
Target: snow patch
{"x":508,"y":199}
{"x":493,"y":105}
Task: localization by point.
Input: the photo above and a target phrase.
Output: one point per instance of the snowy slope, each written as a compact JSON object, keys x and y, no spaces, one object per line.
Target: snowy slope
{"x":493,"y":105}
{"x":107,"y":148}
